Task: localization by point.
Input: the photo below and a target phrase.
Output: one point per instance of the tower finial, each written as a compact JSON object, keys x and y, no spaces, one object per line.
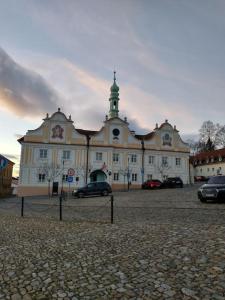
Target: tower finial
{"x":114,"y":77}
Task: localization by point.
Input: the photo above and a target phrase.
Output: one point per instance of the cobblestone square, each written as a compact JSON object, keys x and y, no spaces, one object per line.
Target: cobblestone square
{"x":164,"y":244}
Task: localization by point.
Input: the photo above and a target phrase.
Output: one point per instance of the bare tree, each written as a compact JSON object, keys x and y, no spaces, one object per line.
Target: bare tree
{"x":51,"y":171}
{"x":81,"y":170}
{"x":163,"y":167}
{"x":208,"y":131}
{"x":220,"y":137}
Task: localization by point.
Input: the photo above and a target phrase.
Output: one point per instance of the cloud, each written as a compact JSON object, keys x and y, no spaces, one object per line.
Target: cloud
{"x":86,"y":97}
{"x":22,"y":91}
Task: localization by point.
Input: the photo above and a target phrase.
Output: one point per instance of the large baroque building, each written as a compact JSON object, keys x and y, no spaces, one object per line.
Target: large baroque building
{"x":58,"y":152}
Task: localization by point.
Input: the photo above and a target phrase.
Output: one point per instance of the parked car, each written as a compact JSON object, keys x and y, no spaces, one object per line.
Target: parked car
{"x":93,"y":188}
{"x":172,"y":182}
{"x":214,"y":189}
{"x":151,"y":184}
{"x":200,"y":178}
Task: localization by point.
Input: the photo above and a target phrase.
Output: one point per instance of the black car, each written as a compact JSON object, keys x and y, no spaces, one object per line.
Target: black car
{"x":93,"y":188}
{"x":172,"y":182}
{"x":214,"y":189}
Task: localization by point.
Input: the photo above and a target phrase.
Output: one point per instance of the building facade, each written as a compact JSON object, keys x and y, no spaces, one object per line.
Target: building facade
{"x":6,"y":169}
{"x":58,"y":156}
{"x":210,"y":163}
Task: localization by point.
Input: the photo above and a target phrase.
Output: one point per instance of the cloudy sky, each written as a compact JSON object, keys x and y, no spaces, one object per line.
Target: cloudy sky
{"x":169,"y":56}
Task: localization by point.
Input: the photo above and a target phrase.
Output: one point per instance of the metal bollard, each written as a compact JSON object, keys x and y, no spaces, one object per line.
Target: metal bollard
{"x":22,"y":206}
{"x":60,"y":208}
{"x":112,"y":199}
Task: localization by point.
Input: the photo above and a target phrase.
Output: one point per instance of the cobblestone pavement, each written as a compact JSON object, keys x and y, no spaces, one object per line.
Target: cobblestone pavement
{"x":164,"y":245}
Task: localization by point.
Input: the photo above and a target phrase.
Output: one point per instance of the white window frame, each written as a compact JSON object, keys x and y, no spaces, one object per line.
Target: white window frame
{"x":149,"y":176}
{"x":151,"y":159}
{"x":66,"y":154}
{"x":178,"y":161}
{"x":133,"y":158}
{"x":64,"y":177}
{"x":43,"y":153}
{"x":116,"y":176}
{"x":98,"y":156}
{"x":165,"y":161}
{"x":134,"y":177}
{"x":116,"y":157}
{"x":41,"y":177}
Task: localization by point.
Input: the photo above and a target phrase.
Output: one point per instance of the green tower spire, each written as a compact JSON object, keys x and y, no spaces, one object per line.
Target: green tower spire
{"x":114,"y":99}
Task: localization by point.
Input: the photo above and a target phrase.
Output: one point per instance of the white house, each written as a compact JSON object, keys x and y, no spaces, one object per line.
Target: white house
{"x":58,"y":150}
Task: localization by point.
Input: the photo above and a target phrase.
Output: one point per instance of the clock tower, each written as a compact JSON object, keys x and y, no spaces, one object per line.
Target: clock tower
{"x":114,"y":99}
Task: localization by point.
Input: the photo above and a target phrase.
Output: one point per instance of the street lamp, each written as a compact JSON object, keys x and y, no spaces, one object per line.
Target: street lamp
{"x":62,"y":179}
{"x":128,"y":174}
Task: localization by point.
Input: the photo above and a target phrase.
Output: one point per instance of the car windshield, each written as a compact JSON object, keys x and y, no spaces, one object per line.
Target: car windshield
{"x":217,"y":180}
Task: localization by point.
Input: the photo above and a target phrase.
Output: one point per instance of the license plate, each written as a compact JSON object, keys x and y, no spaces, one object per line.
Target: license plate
{"x":210,"y":195}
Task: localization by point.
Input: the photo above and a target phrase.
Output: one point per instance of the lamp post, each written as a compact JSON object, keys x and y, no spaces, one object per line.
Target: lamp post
{"x":62,"y":178}
{"x":128,"y":174}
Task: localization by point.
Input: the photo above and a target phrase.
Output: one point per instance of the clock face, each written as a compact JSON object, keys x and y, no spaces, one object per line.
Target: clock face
{"x":116,"y":132}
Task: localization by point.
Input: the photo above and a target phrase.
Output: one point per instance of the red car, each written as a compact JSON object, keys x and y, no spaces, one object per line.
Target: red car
{"x":151,"y":184}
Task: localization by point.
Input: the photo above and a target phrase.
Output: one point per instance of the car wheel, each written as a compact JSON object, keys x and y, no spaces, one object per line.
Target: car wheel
{"x":105,"y":193}
{"x":80,"y":195}
{"x":203,"y":200}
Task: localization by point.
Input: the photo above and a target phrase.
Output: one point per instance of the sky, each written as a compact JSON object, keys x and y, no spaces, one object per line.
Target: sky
{"x":169,"y":57}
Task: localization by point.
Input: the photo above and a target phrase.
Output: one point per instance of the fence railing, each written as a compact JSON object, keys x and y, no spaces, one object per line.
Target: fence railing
{"x":56,"y":206}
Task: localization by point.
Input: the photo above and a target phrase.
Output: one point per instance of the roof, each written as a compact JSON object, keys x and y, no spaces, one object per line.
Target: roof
{"x":217,"y":156}
{"x":214,"y":153}
{"x":145,"y":136}
{"x":20,"y":139}
{"x":86,"y":132}
{"x":11,"y":162}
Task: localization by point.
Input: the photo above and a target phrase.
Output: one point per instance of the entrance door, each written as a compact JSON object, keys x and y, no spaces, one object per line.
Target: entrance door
{"x":55,"y":188}
{"x":97,"y":175}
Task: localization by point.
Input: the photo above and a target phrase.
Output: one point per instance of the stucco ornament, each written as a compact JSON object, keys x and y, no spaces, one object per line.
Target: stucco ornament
{"x":57,"y":132}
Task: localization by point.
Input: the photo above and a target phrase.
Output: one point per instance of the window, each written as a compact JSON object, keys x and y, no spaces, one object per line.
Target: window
{"x":207,"y":169}
{"x":178,"y":161}
{"x":41,"y":177}
{"x":212,"y":169}
{"x":164,"y":160}
{"x":64,"y":177}
{"x":151,"y":160}
{"x":201,"y":170}
{"x":115,"y":157}
{"x":134,"y":176}
{"x":116,"y":176}
{"x":43,"y":153}
{"x":99,"y":156}
{"x":133,"y":158}
{"x":149,"y":176}
{"x":66,"y":154}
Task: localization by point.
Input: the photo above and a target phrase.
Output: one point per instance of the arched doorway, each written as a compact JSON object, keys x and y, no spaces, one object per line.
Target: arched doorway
{"x":97,"y":175}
